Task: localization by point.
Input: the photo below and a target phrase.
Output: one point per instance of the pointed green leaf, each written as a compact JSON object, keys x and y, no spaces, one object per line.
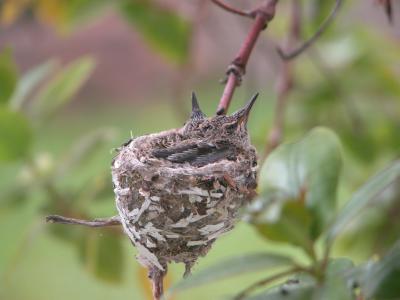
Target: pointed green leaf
{"x":303,"y":287}
{"x":15,"y":135}
{"x":233,"y":267}
{"x":8,"y":75}
{"x":306,"y":173}
{"x":163,"y":29}
{"x":336,"y":286}
{"x":378,"y":191}
{"x":29,"y":82}
{"x":62,"y":87}
{"x":294,"y":225}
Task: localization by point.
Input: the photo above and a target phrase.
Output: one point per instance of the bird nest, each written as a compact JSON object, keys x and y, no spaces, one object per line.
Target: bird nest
{"x":175,"y":212}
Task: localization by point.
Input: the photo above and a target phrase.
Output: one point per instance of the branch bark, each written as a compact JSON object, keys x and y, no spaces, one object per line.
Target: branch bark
{"x":263,"y":15}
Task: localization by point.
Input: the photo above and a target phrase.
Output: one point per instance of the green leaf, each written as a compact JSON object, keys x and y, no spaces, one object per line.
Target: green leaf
{"x":294,"y":225}
{"x":29,"y":82}
{"x":303,"y":287}
{"x":163,"y":29}
{"x":15,"y":135}
{"x":62,"y":87}
{"x":102,"y":255}
{"x":289,"y":292}
{"x":299,"y":287}
{"x":233,"y":267}
{"x":8,"y":75}
{"x":378,"y":191}
{"x":336,"y":286}
{"x":306,"y":173}
{"x":381,"y":279}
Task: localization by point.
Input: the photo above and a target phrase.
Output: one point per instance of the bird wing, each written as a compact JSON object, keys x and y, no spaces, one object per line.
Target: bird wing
{"x":198,"y":154}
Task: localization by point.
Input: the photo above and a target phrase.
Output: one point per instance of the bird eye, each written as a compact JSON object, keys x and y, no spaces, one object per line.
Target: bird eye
{"x":206,"y":127}
{"x":230,"y":127}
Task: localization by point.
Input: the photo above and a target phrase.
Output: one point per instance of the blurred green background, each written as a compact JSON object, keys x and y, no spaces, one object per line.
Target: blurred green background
{"x":78,"y":78}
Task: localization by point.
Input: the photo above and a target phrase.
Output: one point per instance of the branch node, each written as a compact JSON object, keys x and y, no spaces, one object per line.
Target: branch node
{"x":236,"y":69}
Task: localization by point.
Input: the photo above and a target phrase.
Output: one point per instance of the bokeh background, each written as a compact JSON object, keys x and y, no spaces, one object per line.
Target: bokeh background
{"x":80,"y":77}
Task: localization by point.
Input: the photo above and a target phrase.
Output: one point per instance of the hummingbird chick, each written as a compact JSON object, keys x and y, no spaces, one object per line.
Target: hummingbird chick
{"x":177,"y":191}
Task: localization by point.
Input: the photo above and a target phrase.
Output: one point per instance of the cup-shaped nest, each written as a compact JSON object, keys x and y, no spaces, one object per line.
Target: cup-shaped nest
{"x":174,"y":212}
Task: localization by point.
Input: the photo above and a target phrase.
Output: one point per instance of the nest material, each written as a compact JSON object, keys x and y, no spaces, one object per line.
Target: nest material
{"x":174,"y":212}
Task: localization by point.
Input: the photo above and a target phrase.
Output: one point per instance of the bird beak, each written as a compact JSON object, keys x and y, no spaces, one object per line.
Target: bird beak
{"x":197,"y":114}
{"x":243,"y":114}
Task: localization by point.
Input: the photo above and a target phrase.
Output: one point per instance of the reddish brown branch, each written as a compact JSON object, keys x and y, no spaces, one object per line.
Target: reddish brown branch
{"x":324,"y":26}
{"x":285,"y":82}
{"x":233,"y":10}
{"x":263,"y":15}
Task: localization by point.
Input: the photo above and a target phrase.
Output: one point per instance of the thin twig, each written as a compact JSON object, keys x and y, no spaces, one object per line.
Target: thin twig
{"x":112,"y":221}
{"x":266,"y":281}
{"x":292,"y":54}
{"x":285,"y":82}
{"x":263,"y":15}
{"x":157,"y":278}
{"x":233,"y":10}
{"x":388,"y":9}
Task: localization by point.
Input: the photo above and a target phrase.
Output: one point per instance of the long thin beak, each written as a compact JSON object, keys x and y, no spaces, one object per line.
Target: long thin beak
{"x":243,"y":114}
{"x":197,"y":114}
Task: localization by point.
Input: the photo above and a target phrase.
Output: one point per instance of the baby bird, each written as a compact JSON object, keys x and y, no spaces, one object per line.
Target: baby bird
{"x":205,"y":141}
{"x":177,"y":191}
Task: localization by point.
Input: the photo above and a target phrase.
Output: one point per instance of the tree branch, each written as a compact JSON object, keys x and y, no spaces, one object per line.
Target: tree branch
{"x":285,"y":82}
{"x":233,"y":10}
{"x":292,"y":54}
{"x":263,"y":15}
{"x":112,"y":221}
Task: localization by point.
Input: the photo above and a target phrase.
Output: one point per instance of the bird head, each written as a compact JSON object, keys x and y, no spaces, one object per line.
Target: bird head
{"x":219,"y":126}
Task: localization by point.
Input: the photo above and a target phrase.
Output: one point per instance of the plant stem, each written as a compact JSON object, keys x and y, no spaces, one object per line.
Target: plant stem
{"x":112,"y":221}
{"x":324,"y":26}
{"x":266,"y":281}
{"x":157,"y":278}
{"x":232,"y":9}
{"x":263,"y":15}
{"x":285,"y":81}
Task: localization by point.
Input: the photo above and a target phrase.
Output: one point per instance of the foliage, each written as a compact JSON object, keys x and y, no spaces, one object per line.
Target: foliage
{"x":20,"y":121}
{"x":166,"y":31}
{"x":304,"y":201}
{"x":298,"y":185}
